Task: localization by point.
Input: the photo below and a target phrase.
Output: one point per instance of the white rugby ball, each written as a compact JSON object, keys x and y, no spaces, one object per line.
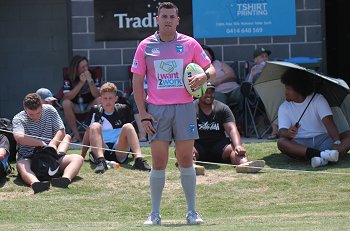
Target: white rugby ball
{"x":191,"y":70}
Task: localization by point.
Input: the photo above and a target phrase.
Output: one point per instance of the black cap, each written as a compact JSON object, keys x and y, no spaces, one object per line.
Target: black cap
{"x":210,"y":85}
{"x":260,"y":50}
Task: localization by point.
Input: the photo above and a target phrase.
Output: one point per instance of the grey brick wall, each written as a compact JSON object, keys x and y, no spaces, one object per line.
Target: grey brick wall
{"x":116,"y":56}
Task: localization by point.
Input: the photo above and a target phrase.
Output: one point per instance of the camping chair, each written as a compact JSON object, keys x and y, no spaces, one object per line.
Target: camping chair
{"x":253,"y":109}
{"x":80,"y":118}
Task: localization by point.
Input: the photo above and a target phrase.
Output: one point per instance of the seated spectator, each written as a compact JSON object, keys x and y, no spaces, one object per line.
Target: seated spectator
{"x":41,"y":125}
{"x":213,"y":120}
{"x":110,"y":128}
{"x":46,"y":97}
{"x":315,"y":137}
{"x":80,"y":92}
{"x":261,"y":56}
{"x":4,"y":154}
{"x":227,"y":88}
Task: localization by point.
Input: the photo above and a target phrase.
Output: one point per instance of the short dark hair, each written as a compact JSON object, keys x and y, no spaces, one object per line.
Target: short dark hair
{"x":301,"y":83}
{"x":211,"y":52}
{"x":32,"y":101}
{"x":168,"y":5}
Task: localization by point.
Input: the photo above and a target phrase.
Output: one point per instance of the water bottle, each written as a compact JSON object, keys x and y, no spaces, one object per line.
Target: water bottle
{"x":112,"y":164}
{"x":81,"y":103}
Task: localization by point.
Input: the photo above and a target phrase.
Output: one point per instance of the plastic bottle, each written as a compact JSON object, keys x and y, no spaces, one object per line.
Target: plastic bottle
{"x":112,"y":164}
{"x":81,"y":103}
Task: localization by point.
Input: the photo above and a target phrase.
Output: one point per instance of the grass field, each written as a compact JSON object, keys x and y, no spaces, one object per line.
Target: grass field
{"x":286,"y":195}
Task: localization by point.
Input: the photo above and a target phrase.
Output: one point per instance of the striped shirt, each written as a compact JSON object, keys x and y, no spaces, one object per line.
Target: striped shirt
{"x":44,"y":129}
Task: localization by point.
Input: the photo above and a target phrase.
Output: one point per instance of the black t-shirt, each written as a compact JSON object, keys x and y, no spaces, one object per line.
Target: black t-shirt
{"x":211,"y":127}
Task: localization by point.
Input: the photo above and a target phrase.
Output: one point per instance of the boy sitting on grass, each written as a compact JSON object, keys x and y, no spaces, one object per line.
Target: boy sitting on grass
{"x":110,"y":128}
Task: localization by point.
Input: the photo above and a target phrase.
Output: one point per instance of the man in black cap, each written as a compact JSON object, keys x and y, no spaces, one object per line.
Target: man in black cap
{"x":213,"y":120}
{"x":261,"y":55}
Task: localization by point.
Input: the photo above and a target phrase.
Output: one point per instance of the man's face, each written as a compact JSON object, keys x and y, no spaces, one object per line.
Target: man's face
{"x":208,"y":97}
{"x":167,"y":20}
{"x":34,"y":114}
{"x":83,"y":66}
{"x":291,"y":94}
{"x":262,"y":58}
{"x":108,"y":100}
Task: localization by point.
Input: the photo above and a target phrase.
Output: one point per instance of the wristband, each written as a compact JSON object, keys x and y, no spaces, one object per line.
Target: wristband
{"x":208,"y":75}
{"x":146,"y":119}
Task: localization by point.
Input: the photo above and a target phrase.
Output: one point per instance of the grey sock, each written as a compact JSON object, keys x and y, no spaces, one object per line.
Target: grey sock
{"x":188,"y":181}
{"x":157,"y":181}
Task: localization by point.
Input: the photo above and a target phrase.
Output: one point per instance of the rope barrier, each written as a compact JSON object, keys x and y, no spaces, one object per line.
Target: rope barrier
{"x":173,"y":158}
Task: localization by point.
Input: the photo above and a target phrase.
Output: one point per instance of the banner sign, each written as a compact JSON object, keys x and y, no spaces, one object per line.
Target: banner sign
{"x":243,"y":18}
{"x":135,"y":19}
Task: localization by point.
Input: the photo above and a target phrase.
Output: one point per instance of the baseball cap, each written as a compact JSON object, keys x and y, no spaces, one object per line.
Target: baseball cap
{"x":210,"y":85}
{"x":261,"y":50}
{"x":45,"y":94}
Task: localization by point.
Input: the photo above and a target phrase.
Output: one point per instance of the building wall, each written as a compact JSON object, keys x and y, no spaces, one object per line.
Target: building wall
{"x":116,"y":56}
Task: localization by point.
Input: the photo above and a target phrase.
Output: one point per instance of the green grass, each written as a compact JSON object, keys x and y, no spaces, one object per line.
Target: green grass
{"x":278,"y":198}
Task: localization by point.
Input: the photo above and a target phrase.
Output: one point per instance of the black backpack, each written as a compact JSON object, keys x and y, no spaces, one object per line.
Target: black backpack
{"x":6,"y":129}
{"x":45,"y":163}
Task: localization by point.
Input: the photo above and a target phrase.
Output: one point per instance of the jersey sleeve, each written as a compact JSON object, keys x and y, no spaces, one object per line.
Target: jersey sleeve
{"x":200,"y":57}
{"x":139,"y":62}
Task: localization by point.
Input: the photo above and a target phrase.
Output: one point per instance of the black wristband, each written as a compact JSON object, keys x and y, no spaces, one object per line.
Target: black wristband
{"x":146,"y":119}
{"x":208,"y":75}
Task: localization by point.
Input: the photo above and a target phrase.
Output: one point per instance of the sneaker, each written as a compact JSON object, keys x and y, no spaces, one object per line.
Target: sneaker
{"x":153,"y":219}
{"x":330,"y":155}
{"x":318,"y":161}
{"x":250,"y":166}
{"x":61,"y":182}
{"x":101,"y":167}
{"x":141,"y":164}
{"x":193,"y":218}
{"x":40,"y":186}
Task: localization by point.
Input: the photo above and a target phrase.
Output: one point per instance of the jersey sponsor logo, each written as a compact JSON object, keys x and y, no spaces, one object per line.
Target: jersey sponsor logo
{"x":169,"y":73}
{"x":179,"y":49}
{"x":155,"y":50}
{"x":192,"y":128}
{"x":206,"y":126}
{"x":135,"y":63}
{"x":52,"y":172}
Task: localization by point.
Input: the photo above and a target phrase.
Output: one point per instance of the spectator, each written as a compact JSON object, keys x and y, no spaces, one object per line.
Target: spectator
{"x":47,"y":98}
{"x":4,"y":154}
{"x":261,"y":56}
{"x":110,"y":127}
{"x":227,"y":89}
{"x":80,"y":92}
{"x":33,"y":127}
{"x":316,"y":136}
{"x":170,"y":112}
{"x":213,"y":120}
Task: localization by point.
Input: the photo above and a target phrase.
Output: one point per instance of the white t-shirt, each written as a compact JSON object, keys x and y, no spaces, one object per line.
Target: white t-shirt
{"x":311,"y":124}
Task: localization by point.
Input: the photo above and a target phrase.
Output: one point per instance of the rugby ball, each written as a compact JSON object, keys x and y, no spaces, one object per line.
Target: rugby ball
{"x":191,"y":70}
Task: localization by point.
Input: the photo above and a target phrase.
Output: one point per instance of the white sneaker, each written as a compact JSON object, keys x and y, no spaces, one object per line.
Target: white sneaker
{"x":153,"y":219}
{"x":330,"y":155}
{"x":318,"y":161}
{"x":251,"y":166}
{"x":193,"y":218}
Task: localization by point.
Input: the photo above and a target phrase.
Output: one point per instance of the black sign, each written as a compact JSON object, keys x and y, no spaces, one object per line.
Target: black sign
{"x":135,"y":19}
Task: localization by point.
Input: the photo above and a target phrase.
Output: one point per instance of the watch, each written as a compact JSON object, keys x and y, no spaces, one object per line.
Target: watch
{"x":337,"y":142}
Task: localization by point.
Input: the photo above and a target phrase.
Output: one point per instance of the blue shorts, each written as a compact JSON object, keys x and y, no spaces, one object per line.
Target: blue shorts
{"x":321,"y":142}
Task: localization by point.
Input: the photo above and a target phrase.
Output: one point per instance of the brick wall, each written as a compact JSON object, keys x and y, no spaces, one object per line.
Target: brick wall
{"x":116,"y":56}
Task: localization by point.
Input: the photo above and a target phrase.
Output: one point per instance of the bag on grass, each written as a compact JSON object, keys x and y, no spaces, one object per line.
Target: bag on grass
{"x":45,"y":163}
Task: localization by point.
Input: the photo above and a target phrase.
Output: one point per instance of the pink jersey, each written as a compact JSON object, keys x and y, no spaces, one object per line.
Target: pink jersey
{"x":164,"y":63}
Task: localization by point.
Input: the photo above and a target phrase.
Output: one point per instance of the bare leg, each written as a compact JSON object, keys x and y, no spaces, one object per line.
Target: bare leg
{"x":64,"y":144}
{"x":291,"y":148}
{"x":96,"y":140}
{"x":86,"y":142}
{"x":128,"y":138}
{"x":27,"y":175}
{"x":232,"y":156}
{"x":184,"y":152}
{"x":71,"y":165}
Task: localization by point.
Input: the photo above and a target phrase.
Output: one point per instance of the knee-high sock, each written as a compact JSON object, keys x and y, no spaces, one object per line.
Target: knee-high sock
{"x":188,"y":181}
{"x":157,"y":181}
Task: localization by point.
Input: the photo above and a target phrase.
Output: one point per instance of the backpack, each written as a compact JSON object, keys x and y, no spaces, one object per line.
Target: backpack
{"x":45,"y":163}
{"x":6,"y":129}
